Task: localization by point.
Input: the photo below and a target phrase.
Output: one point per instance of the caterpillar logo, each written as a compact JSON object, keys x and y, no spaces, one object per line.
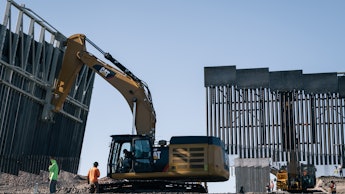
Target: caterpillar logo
{"x":108,"y":74}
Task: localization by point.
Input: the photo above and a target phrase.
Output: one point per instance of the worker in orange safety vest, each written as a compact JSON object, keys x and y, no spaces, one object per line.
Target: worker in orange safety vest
{"x":92,"y":178}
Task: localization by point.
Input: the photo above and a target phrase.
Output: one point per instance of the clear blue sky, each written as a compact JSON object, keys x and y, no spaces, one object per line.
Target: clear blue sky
{"x":168,"y":43}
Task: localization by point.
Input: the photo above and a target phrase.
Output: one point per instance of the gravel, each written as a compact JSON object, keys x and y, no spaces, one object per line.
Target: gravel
{"x":73,"y":183}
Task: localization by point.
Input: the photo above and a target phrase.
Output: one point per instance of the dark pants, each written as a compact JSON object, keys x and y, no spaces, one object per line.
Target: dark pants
{"x":52,"y":186}
{"x":94,"y":187}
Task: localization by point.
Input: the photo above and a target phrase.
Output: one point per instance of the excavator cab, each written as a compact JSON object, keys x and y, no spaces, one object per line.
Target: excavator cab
{"x":129,"y":154}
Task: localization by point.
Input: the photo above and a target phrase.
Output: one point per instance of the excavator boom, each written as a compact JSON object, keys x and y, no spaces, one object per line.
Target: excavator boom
{"x":133,"y":89}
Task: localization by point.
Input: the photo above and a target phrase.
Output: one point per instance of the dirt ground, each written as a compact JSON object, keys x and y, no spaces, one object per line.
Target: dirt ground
{"x":72,"y":183}
{"x":32,"y":183}
{"x":325,"y":183}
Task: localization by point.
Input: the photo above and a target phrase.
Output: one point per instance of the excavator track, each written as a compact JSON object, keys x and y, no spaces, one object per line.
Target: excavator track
{"x":141,"y":186}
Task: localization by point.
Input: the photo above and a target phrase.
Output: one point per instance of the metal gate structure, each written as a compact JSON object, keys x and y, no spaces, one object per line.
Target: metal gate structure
{"x":262,"y":114}
{"x":31,"y":54}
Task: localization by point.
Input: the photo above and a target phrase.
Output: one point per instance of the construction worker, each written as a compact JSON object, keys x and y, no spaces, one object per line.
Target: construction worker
{"x":127,"y":161}
{"x":333,"y":187}
{"x":53,"y":174}
{"x":92,"y":178}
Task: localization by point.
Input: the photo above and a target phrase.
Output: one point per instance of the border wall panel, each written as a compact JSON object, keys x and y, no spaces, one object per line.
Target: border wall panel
{"x":341,"y":81}
{"x":286,"y":80}
{"x":320,"y":83}
{"x":252,"y":78}
{"x":29,"y":131}
{"x":220,"y":75}
{"x":278,"y":113}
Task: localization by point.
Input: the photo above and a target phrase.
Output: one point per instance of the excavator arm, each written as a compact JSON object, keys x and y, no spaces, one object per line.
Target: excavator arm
{"x":132,"y":89}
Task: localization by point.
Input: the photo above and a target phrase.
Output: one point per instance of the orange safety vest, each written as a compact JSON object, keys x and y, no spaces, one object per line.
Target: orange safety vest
{"x":93,"y":175}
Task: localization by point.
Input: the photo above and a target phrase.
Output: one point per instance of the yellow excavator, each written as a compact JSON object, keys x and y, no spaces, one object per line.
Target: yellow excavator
{"x":296,"y":177}
{"x":136,"y":162}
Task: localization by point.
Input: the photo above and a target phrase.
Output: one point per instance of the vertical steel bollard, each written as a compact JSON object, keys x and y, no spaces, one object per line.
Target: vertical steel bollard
{"x":36,"y":188}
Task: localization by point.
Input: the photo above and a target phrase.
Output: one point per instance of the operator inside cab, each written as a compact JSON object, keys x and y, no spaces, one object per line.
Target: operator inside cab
{"x":127,"y":161}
